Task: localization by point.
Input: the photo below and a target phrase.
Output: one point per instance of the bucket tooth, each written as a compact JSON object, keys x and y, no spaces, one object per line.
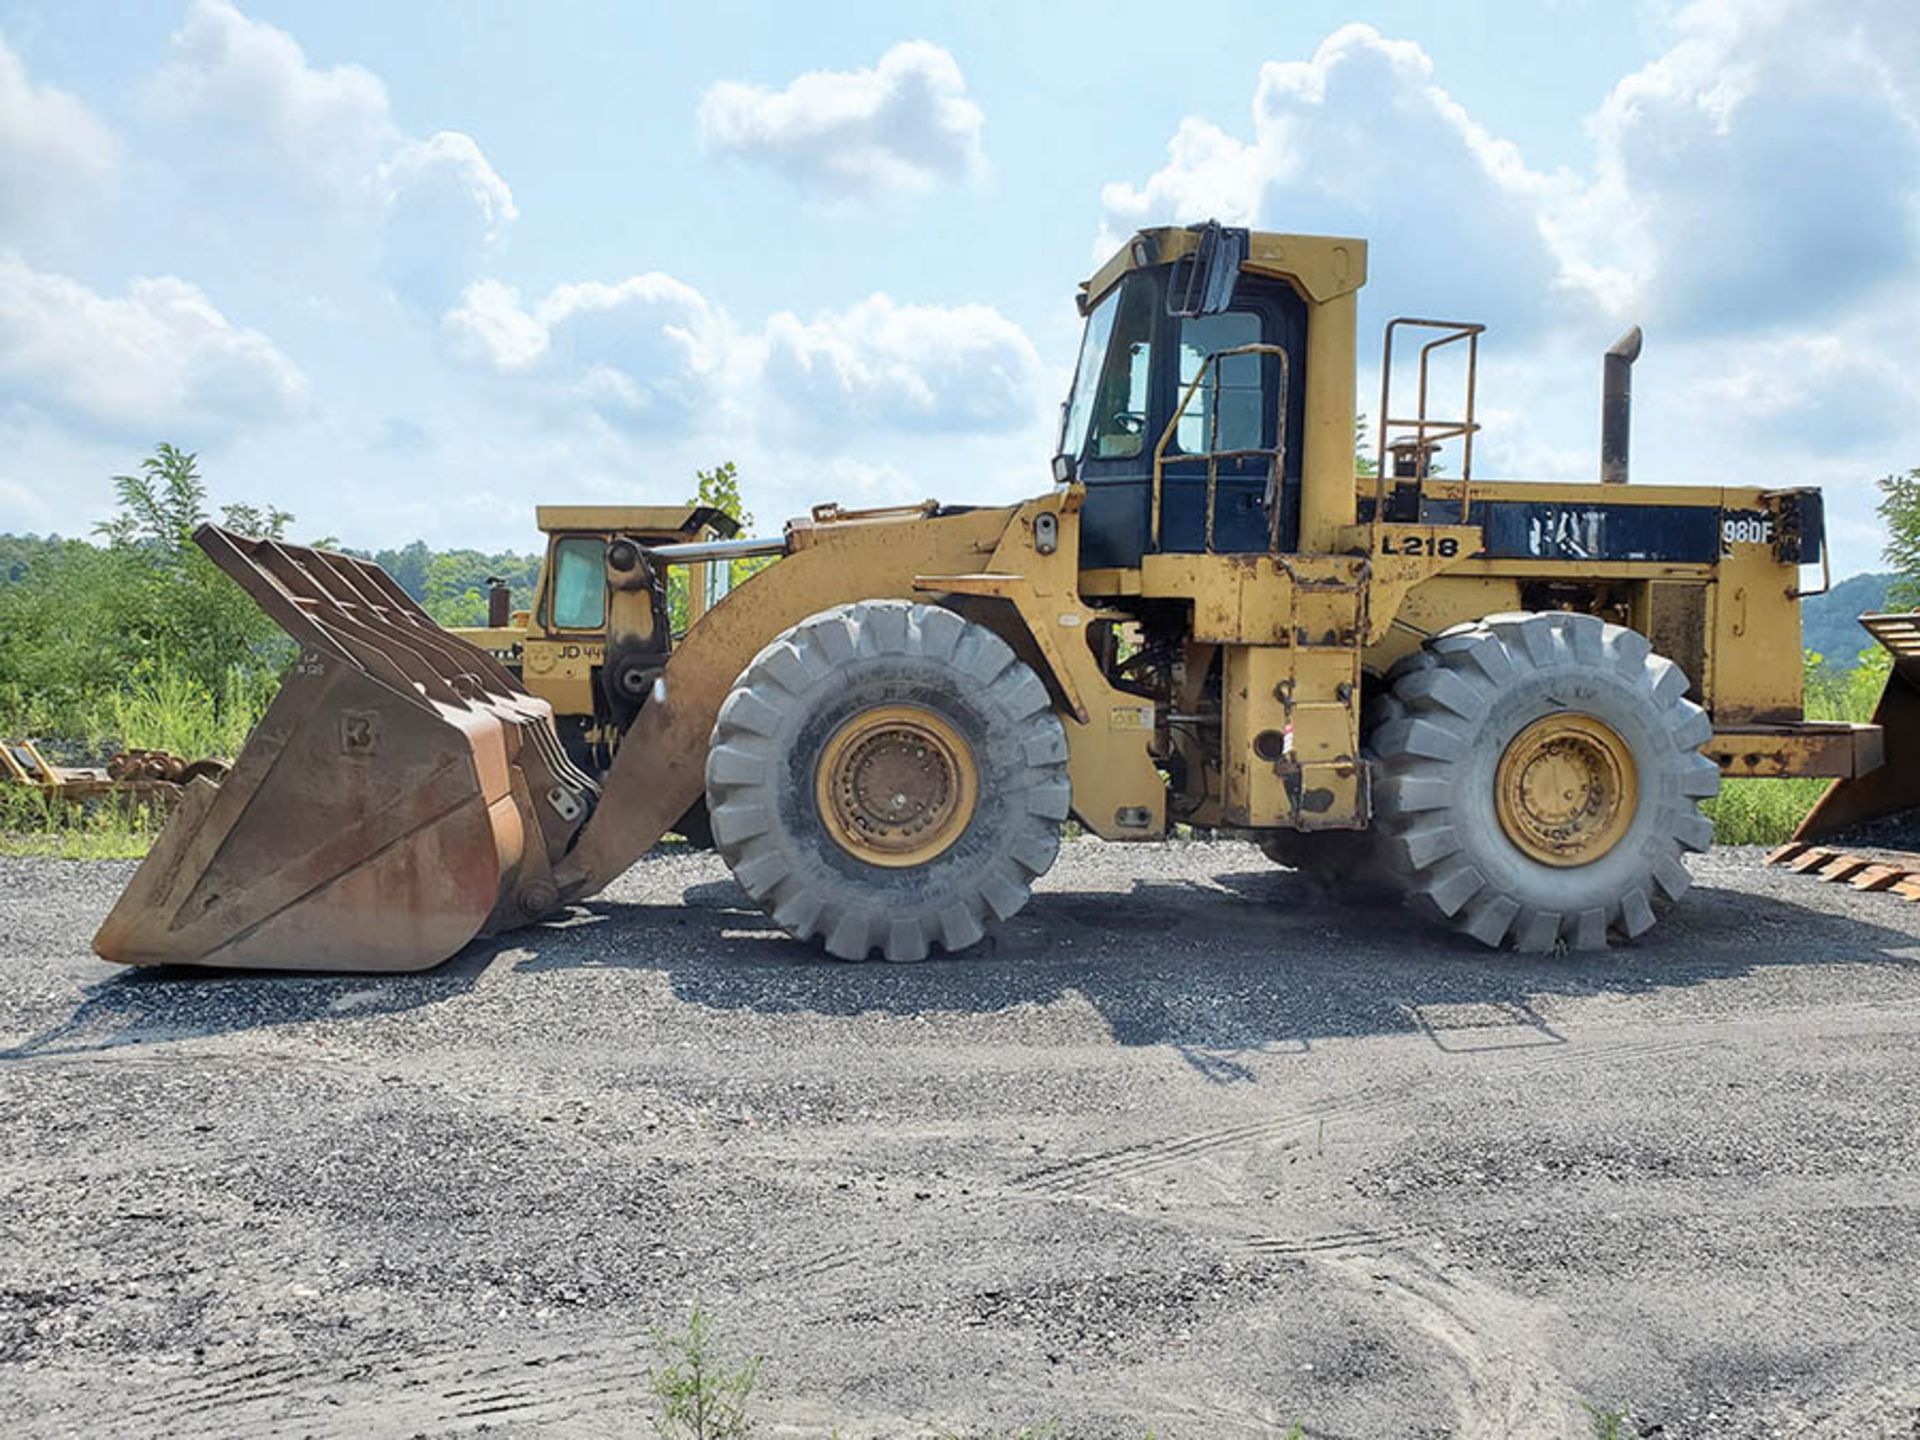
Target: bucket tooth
{"x":401,"y":795}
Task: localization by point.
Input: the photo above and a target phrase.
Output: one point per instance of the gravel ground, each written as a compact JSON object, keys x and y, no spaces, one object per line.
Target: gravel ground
{"x":1188,"y":1147}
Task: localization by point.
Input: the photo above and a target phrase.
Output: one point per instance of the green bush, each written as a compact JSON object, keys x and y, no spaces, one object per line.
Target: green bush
{"x":169,"y":709}
{"x":143,"y":630}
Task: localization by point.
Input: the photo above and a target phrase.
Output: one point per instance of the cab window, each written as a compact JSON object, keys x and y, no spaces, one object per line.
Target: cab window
{"x":1116,"y":402}
{"x":1228,"y":411}
{"x":580,"y":583}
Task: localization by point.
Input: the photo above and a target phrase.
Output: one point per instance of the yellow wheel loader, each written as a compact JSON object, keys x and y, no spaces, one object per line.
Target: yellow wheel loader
{"x":1507,"y":699}
{"x":599,"y":629}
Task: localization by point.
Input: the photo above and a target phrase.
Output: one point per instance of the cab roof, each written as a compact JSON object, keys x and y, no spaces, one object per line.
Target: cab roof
{"x":1320,"y":266}
{"x":689,"y":521}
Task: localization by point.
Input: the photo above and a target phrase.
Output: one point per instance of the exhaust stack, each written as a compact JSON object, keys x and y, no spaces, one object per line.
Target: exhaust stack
{"x":1616,"y":406}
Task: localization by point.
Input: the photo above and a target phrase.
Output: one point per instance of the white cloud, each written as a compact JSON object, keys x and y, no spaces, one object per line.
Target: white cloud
{"x":447,"y":168}
{"x":901,"y":126}
{"x":444,"y":206}
{"x":909,"y":367}
{"x":1765,"y":168}
{"x":491,"y":327}
{"x":323,"y":127}
{"x":1360,"y":140}
{"x":329,"y":132}
{"x":642,"y":354}
{"x":56,"y":157}
{"x":21,"y":509}
{"x":161,"y":357}
{"x":1830,"y":389}
{"x":652,"y":352}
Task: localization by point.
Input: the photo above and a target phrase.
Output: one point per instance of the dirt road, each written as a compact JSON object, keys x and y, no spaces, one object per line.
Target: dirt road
{"x":1188,"y":1149}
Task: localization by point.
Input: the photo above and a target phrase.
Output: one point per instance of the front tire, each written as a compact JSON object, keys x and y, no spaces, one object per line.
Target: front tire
{"x":1539,"y":779}
{"x":887,"y":777}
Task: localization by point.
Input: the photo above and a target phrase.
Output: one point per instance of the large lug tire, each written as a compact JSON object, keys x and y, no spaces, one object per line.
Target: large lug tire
{"x":804,"y":743}
{"x":1499,"y":748}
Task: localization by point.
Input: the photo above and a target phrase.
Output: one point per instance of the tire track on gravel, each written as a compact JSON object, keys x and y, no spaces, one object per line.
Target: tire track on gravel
{"x":1503,"y":1385}
{"x":398,"y":1389}
{"x":1147,"y":1156}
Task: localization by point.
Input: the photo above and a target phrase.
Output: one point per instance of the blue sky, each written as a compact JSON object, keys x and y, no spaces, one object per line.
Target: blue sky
{"x":405,"y":269}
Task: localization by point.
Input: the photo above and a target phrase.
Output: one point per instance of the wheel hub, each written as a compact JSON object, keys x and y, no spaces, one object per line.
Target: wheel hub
{"x":897,"y":785}
{"x":1566,"y":790}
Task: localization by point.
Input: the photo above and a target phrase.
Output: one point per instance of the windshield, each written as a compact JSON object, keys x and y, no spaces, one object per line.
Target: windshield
{"x":1086,"y":376}
{"x":1107,"y":414}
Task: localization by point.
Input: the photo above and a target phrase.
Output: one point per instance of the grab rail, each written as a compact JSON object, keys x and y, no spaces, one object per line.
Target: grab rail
{"x":1213,"y":455}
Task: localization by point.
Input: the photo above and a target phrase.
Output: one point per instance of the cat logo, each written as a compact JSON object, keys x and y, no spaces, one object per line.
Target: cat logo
{"x":1564,"y":532}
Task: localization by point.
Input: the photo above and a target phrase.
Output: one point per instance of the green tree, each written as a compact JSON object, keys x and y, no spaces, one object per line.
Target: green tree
{"x":408,"y":567}
{"x":19,"y":554}
{"x":144,"y":612}
{"x":699,"y":1394}
{"x":456,"y":582}
{"x":720,"y":488}
{"x":166,"y":502}
{"x":1900,"y":512}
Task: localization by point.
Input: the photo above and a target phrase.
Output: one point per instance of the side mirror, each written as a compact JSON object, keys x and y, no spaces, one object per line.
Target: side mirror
{"x":1202,"y":282}
{"x":1063,"y":469}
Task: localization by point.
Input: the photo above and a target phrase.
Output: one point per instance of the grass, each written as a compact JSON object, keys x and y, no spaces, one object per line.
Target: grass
{"x":32,"y":824}
{"x":1765,"y":812}
{"x":167,"y":710}
{"x":1761,"y":812}
{"x":1610,"y":1424}
{"x":174,"y":712}
{"x":698,"y":1395}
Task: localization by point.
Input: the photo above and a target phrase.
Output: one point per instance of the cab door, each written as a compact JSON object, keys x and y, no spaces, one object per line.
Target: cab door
{"x":1231,"y":424}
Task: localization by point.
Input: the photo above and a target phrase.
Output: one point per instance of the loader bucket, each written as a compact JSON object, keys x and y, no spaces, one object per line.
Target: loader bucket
{"x":401,"y":795}
{"x":1895,"y":786}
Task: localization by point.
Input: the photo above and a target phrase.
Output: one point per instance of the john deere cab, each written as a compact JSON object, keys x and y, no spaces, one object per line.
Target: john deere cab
{"x":600,"y":628}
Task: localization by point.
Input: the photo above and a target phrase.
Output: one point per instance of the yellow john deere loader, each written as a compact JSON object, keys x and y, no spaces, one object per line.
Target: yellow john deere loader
{"x":1512,"y":697}
{"x":599,"y":631}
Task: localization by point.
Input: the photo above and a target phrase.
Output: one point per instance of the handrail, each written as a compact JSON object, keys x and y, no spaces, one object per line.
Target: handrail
{"x":1425,"y":431}
{"x":1276,"y":453}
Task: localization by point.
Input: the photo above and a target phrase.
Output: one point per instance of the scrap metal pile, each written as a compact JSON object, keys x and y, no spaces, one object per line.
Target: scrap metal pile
{"x":153,"y":776}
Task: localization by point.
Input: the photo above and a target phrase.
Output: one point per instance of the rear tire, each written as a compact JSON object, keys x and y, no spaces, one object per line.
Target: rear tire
{"x":805,"y":740}
{"x":1587,"y":842}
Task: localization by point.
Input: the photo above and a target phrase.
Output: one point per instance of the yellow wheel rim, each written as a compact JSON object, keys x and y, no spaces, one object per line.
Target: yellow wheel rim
{"x":896,"y":785}
{"x":1566,"y":790}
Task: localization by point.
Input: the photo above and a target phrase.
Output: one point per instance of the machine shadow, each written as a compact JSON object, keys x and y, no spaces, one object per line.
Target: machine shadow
{"x":166,"y":1003}
{"x":1255,"y":962}
{"x":1250,"y":962}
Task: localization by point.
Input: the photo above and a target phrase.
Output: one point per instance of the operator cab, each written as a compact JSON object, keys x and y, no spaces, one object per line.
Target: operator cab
{"x":1179,"y":393}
